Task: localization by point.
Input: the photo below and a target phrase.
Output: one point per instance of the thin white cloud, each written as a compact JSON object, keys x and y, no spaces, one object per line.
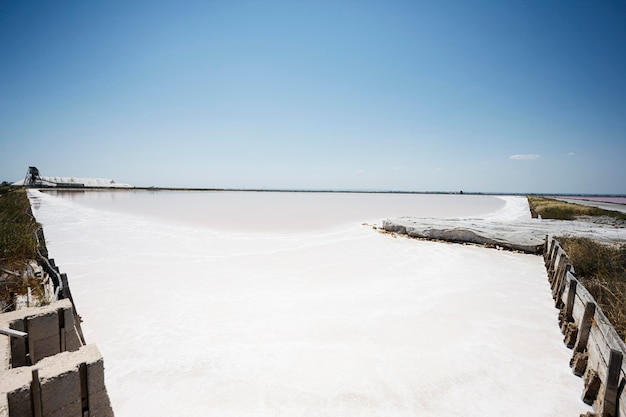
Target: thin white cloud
{"x":525,"y":157}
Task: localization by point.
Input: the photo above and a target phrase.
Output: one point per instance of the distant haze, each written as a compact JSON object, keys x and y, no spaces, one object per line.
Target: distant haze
{"x":419,"y":96}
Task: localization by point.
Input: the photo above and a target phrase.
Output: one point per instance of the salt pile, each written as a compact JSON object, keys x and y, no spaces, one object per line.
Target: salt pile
{"x":78,"y":182}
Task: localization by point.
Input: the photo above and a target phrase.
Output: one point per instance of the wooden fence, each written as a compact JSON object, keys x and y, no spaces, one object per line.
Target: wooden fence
{"x":598,"y":351}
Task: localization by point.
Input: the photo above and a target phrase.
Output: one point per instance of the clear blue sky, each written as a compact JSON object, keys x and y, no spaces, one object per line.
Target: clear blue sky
{"x":500,"y":96}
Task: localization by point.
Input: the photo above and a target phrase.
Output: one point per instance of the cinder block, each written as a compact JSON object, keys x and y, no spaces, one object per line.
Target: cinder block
{"x":43,"y":332}
{"x":18,"y":345}
{"x":60,"y":395}
{"x":15,"y":390}
{"x":99,"y":402}
{"x":72,"y":340}
{"x":19,"y":402}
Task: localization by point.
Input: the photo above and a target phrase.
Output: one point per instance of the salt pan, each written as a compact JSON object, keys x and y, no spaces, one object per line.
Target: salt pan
{"x":204,"y":319}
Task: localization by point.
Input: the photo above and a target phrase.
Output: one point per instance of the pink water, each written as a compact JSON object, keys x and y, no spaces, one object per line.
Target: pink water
{"x":615,"y":200}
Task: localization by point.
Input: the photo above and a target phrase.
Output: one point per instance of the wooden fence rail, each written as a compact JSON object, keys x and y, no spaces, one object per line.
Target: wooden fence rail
{"x":598,"y":351}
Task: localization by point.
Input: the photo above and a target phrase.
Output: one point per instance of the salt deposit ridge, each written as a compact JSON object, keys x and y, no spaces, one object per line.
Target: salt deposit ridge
{"x":75,"y":181}
{"x":307,"y":312}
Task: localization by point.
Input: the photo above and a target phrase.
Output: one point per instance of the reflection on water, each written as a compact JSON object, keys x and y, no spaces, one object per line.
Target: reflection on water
{"x":81,"y":194}
{"x":285,"y":211}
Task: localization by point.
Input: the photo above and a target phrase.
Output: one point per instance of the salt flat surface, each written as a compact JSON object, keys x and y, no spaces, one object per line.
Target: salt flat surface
{"x":270,"y":212}
{"x":197,"y":320}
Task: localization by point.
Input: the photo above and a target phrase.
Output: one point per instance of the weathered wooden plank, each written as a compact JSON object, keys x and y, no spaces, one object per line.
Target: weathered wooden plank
{"x":579,"y":306}
{"x":585,"y":327}
{"x":552,"y":259}
{"x":560,"y":286}
{"x":563,"y":283}
{"x":596,"y":351}
{"x":557,"y":267}
{"x":560,"y":264}
{"x":584,"y":294}
{"x":608,"y":331}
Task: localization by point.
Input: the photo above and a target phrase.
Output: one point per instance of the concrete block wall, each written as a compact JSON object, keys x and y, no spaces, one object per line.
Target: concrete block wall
{"x":51,"y":329}
{"x":69,"y":384}
{"x":50,"y":372}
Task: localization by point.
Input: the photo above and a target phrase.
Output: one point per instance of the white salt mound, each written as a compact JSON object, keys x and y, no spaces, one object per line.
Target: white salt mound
{"x":87,"y":182}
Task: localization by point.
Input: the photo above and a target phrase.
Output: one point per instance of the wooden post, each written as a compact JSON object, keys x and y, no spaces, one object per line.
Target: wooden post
{"x":560,"y":287}
{"x":35,"y":394}
{"x":549,"y":254}
{"x":592,"y":387}
{"x":585,"y":327}
{"x":571,"y":297}
{"x":557,"y":273}
{"x":609,"y":409}
{"x":552,"y":273}
{"x":553,"y":258}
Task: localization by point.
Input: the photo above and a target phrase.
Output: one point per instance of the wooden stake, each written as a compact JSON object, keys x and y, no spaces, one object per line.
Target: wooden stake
{"x":609,"y":409}
{"x":571,"y":297}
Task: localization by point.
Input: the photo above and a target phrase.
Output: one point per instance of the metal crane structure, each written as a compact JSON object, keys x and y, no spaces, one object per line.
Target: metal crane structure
{"x":33,"y":179}
{"x":32,"y":176}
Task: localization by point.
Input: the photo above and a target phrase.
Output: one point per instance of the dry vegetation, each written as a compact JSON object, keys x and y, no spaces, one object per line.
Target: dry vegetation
{"x":549,"y":208}
{"x":602,"y":270}
{"x":599,"y":266}
{"x":18,"y":246}
{"x":17,"y":228}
